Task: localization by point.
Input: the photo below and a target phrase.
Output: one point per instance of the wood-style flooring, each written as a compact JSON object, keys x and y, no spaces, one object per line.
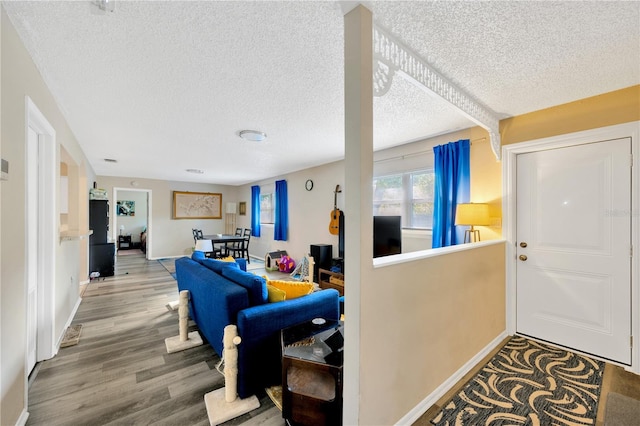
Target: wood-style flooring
{"x":120,"y":372}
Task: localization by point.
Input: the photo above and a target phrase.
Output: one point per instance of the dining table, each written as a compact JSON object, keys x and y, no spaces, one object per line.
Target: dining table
{"x":224,"y":238}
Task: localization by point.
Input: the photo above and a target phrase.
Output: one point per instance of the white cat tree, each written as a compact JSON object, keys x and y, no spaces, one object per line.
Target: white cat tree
{"x":223,"y":404}
{"x":185,"y":340}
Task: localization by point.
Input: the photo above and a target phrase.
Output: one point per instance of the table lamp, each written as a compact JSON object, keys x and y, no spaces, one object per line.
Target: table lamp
{"x":204,"y":246}
{"x":472,"y":214}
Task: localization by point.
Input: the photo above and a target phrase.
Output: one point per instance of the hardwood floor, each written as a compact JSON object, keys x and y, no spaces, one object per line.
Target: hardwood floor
{"x":120,"y":372}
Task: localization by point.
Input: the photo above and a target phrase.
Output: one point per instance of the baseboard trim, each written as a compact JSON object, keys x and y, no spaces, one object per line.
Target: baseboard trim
{"x":22,"y":420}
{"x":422,"y":407}
{"x":169,"y":257}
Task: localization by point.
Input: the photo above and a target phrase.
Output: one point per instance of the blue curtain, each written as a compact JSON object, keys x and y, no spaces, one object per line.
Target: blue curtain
{"x":255,"y":211}
{"x":451,"y":165}
{"x":281,"y":225}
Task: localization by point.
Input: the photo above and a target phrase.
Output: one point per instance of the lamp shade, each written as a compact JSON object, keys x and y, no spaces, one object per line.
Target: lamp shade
{"x":231,"y":208}
{"x":204,"y":246}
{"x":472,"y":214}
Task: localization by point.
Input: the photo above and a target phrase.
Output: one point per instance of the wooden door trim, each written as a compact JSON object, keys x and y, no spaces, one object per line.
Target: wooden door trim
{"x":509,"y":190}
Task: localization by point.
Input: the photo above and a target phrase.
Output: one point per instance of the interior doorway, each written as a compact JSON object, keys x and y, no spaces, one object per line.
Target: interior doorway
{"x":132,"y":213}
{"x":561,"y":285}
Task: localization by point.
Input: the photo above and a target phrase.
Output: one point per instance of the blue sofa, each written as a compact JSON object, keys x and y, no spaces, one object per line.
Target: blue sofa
{"x":222,"y":293}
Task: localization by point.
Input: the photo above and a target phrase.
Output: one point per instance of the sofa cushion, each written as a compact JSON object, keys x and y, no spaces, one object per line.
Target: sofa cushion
{"x":214,"y":301}
{"x":217,"y":265}
{"x":255,"y":285}
{"x":293,"y":289}
{"x":275,"y":294}
{"x":197,"y":255}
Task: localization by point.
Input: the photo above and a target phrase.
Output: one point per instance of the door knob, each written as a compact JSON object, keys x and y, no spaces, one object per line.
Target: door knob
{"x":522,"y":257}
{"x":523,"y":244}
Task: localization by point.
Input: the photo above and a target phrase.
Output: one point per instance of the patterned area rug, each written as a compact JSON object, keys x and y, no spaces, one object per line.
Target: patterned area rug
{"x":528,"y":383}
{"x":71,"y":336}
{"x":170,"y":265}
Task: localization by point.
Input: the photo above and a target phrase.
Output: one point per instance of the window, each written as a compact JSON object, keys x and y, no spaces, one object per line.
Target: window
{"x":409,"y":195}
{"x":266,"y":208}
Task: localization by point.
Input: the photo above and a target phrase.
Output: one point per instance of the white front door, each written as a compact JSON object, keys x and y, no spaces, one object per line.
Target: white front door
{"x":574,"y":247}
{"x":32,"y":247}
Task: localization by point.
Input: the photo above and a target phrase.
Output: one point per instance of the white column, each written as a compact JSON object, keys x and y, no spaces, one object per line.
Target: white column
{"x":358,"y":52}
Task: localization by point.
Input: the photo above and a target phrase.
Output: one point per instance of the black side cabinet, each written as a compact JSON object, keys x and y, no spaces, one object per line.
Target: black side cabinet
{"x":101,"y":252}
{"x":101,"y":259}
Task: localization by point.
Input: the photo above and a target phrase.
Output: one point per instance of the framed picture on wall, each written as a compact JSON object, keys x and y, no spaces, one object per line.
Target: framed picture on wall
{"x":126,"y":208}
{"x":197,"y":205}
{"x":242,"y":208}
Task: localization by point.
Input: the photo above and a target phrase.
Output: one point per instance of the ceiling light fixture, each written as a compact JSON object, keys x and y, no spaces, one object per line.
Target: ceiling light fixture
{"x":196,"y":171}
{"x":110,"y":160}
{"x":106,"y":5}
{"x":252,"y":135}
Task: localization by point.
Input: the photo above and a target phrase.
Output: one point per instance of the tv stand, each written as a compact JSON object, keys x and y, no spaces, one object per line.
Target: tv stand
{"x":329,"y":279}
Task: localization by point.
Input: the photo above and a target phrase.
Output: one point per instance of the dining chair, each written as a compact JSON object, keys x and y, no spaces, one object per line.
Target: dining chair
{"x":243,"y":249}
{"x":231,"y":248}
{"x":215,"y":251}
{"x":197,"y":234}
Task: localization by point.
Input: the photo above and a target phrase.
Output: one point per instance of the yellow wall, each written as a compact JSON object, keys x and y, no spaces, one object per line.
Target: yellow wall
{"x":620,"y":106}
{"x":486,"y":183}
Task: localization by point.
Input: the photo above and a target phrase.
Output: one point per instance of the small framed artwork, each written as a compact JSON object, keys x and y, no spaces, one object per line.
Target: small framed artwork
{"x":197,"y":205}
{"x":126,"y":208}
{"x":242,"y":208}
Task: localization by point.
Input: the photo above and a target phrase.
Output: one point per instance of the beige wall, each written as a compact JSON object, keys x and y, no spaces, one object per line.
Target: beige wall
{"x":422,"y":321}
{"x":168,"y":237}
{"x":19,"y":78}
{"x":309,"y":211}
{"x":2,"y":385}
{"x":620,"y":106}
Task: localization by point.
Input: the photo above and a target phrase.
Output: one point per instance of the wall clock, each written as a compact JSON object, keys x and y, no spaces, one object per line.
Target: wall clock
{"x":308,"y":185}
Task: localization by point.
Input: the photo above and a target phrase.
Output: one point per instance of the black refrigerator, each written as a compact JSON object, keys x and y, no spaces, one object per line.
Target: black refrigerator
{"x":101,"y":252}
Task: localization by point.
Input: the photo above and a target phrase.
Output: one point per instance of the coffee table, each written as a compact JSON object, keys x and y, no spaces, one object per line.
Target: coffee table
{"x":312,"y":359}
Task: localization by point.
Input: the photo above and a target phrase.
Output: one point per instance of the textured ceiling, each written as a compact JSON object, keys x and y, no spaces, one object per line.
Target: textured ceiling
{"x":166,"y":86}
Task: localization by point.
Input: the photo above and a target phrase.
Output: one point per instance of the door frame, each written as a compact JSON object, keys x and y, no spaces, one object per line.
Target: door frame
{"x":48,"y":229}
{"x":114,"y":215}
{"x":509,"y":208}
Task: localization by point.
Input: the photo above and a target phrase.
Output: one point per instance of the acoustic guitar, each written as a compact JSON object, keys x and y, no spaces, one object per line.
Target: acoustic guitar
{"x":334,"y":225}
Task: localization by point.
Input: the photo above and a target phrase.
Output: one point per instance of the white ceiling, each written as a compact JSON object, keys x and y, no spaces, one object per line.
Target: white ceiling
{"x":166,"y":86}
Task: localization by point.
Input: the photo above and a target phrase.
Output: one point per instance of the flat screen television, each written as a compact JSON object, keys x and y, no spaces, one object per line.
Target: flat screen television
{"x":387,"y":235}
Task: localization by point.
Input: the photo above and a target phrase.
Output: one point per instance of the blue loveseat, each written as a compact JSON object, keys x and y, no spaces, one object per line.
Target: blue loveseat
{"x":222,"y":293}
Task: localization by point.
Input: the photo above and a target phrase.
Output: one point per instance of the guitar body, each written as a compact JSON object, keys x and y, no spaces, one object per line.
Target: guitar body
{"x":334,"y":224}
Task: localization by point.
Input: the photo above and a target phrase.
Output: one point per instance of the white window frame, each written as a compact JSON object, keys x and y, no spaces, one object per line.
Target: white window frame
{"x":264,"y":220}
{"x":407,"y":204}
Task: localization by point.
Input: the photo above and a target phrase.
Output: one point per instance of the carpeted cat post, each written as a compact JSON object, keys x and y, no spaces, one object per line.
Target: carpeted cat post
{"x":185,"y":340}
{"x":223,"y":404}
